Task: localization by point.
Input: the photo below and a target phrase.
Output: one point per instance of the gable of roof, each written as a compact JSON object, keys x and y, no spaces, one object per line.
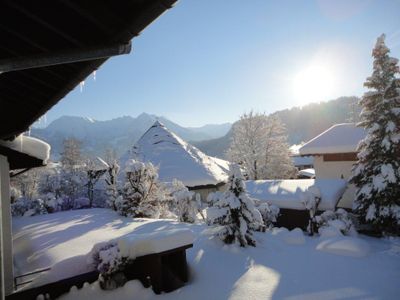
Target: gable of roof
{"x":176,"y":158}
{"x":340,"y":138}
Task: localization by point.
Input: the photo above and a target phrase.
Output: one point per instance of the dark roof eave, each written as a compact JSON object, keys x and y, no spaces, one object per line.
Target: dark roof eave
{"x":67,"y":76}
{"x":18,"y":160}
{"x":206,"y":186}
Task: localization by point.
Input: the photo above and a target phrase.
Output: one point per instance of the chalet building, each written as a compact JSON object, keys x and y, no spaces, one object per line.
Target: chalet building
{"x":335,"y":152}
{"x":47,"y":50}
{"x":177,"y":159}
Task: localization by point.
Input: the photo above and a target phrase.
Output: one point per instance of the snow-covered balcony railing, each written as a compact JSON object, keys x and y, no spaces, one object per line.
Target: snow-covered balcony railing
{"x":290,"y":197}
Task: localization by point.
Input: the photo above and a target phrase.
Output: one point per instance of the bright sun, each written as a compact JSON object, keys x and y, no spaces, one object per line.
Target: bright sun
{"x":313,"y":84}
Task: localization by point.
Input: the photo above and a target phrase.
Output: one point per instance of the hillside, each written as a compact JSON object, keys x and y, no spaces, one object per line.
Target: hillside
{"x":302,"y":123}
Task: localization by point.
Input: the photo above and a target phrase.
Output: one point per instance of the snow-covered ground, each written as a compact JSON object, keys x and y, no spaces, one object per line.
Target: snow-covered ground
{"x":284,"y":265}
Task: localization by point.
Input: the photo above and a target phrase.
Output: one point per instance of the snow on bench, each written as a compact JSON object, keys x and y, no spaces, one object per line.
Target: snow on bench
{"x":290,"y":194}
{"x":135,"y":245}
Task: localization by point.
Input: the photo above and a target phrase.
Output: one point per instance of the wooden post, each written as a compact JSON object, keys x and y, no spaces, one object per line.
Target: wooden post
{"x":156,"y":274}
{"x":6,"y":264}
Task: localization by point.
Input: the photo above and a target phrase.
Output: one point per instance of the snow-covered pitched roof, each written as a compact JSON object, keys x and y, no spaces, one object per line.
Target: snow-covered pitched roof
{"x":28,"y":145}
{"x":176,"y":158}
{"x":290,"y":193}
{"x":310,"y":173}
{"x":340,"y":138}
{"x":302,"y":160}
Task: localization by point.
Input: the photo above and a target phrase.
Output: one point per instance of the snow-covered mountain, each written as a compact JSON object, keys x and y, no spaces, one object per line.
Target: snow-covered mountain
{"x":119,"y":134}
{"x":176,"y":158}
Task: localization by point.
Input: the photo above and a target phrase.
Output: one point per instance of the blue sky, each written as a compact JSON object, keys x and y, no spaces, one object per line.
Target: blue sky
{"x":209,"y":61}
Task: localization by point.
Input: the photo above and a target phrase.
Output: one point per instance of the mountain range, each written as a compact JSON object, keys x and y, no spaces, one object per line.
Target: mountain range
{"x":120,"y":134}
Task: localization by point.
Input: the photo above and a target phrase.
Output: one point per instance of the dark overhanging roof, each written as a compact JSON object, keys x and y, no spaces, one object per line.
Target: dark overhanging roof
{"x":31,"y":29}
{"x":18,"y":160}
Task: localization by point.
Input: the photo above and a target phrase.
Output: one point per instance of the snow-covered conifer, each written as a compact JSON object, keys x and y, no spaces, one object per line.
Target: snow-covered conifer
{"x":376,"y":175}
{"x":235,"y":213}
{"x":142,"y":195}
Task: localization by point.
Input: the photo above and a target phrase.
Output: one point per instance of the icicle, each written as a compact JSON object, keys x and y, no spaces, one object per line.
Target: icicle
{"x":94,"y":75}
{"x":82,"y":84}
{"x":21,"y":141}
{"x":29,"y":129}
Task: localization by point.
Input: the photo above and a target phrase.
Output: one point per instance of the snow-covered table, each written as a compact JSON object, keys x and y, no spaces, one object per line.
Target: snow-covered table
{"x":158,"y":260}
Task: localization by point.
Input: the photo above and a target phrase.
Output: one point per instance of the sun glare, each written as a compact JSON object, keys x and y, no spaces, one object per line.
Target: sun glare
{"x":313,"y":84}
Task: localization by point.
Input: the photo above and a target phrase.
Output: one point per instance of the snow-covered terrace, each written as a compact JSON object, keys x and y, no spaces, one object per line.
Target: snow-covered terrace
{"x":340,"y":138}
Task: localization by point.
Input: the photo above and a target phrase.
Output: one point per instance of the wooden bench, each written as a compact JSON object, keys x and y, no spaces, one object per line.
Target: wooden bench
{"x":164,"y":271}
{"x":292,"y":218}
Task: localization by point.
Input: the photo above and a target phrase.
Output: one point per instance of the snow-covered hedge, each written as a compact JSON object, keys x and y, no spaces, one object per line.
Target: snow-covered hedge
{"x":107,"y":259}
{"x":46,"y":204}
{"x":26,"y":207}
{"x":269,"y":213}
{"x":186,"y":206}
{"x":142,"y":194}
{"x":335,"y":222}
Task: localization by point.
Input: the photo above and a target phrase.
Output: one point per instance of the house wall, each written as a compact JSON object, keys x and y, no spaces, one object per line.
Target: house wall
{"x":205,"y":191}
{"x":332,"y":169}
{"x":336,"y":169}
{"x":6,"y":259}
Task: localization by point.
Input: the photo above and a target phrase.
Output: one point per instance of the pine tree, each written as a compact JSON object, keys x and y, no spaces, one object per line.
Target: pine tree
{"x":376,"y":175}
{"x":235,"y":212}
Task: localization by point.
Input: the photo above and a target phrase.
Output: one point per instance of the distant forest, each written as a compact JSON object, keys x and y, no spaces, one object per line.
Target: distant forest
{"x":302,"y":123}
